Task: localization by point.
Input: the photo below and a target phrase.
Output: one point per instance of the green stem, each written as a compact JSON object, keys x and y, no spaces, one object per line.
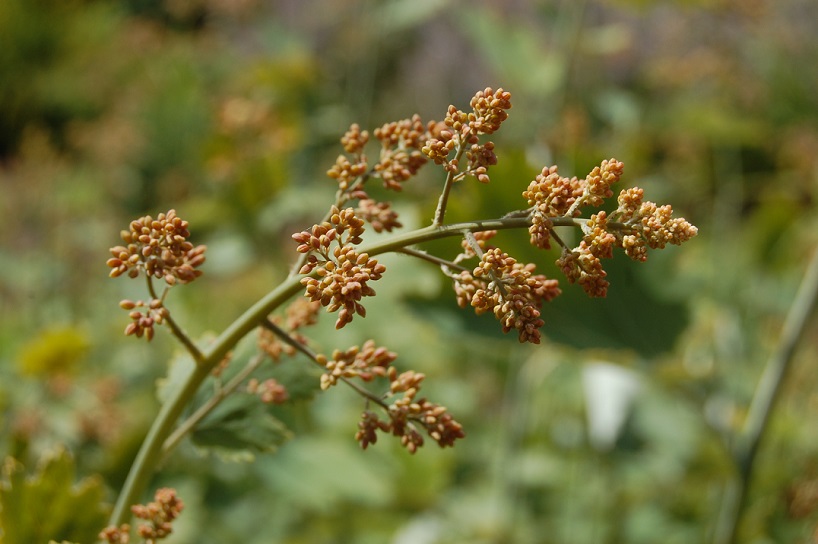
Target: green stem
{"x":150,"y":452}
{"x":422,"y":255}
{"x":764,"y":401}
{"x":176,"y":330}
{"x":220,"y":394}
{"x":442,"y":203}
{"x":313,"y":356}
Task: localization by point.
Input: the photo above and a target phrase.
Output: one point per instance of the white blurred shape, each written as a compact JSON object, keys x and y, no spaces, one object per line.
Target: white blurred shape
{"x":609,"y":393}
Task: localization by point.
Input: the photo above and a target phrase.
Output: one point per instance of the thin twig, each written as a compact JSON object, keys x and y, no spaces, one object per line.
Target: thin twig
{"x":442,"y":203}
{"x":176,"y":330}
{"x":432,"y":259}
{"x":313,"y":356}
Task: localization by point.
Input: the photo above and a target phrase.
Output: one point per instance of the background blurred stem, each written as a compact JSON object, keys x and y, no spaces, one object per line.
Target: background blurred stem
{"x":766,"y":395}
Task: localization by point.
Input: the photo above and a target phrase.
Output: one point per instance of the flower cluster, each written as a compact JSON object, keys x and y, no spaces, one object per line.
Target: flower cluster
{"x":378,"y":214}
{"x":343,"y":274}
{"x":508,"y":289}
{"x":400,"y":159}
{"x":270,"y":391}
{"x":337,"y":275}
{"x":160,"y":248}
{"x":343,"y":226}
{"x":355,"y":362}
{"x":406,"y":414}
{"x":159,"y":514}
{"x":142,"y":323}
{"x":460,"y":134}
{"x":634,"y":226}
{"x":646,"y":225}
{"x":401,"y":144}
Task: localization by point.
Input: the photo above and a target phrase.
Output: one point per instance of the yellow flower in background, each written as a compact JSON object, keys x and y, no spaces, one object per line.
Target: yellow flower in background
{"x":55,"y":350}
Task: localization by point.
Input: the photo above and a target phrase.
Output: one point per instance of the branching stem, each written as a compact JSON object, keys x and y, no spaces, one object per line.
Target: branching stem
{"x":313,"y":356}
{"x":149,"y":454}
{"x":221,"y":393}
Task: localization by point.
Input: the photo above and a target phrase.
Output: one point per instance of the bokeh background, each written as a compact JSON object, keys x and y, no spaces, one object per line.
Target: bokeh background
{"x":230,"y":111}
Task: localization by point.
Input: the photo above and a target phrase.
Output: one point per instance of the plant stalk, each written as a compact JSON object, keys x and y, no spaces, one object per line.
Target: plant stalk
{"x":150,"y":452}
{"x":764,"y":401}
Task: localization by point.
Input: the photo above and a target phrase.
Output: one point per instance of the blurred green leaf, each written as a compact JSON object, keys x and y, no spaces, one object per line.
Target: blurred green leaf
{"x":240,"y":427}
{"x":180,"y":367}
{"x":48,"y":504}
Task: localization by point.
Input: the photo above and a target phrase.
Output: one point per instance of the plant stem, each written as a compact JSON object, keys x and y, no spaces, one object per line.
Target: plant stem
{"x":220,"y":394}
{"x":281,"y":333}
{"x":176,"y":330}
{"x":149,"y":454}
{"x":442,"y":203}
{"x":764,"y":401}
{"x":422,"y":255}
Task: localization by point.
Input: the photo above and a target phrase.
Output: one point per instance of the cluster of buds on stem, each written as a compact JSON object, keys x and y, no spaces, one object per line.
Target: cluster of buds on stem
{"x":142,"y":324}
{"x":159,"y":515}
{"x":157,"y":248}
{"x":633,"y":227}
{"x":338,"y":275}
{"x":343,"y":274}
{"x":406,"y":414}
{"x":461,"y":132}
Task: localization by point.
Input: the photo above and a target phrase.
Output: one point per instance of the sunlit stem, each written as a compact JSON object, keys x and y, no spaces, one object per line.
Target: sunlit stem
{"x":451,"y":176}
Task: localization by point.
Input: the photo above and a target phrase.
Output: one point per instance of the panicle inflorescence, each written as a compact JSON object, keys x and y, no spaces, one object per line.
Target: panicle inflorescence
{"x":378,"y":214}
{"x":364,"y":363}
{"x":406,"y":414}
{"x":460,"y":133}
{"x":516,"y":294}
{"x":400,"y":158}
{"x":508,"y":289}
{"x":634,"y":226}
{"x":401,"y":155}
{"x":160,"y":248}
{"x":489,"y":110}
{"x":142,"y":323}
{"x":159,"y":514}
{"x":344,"y":227}
{"x":646,"y":225}
{"x":339,"y":275}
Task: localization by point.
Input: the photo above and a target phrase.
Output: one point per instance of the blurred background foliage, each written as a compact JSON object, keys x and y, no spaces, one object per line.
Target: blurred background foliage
{"x":229,"y":111}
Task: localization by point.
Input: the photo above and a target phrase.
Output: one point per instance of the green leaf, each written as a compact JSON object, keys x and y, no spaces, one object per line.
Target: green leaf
{"x":300,"y":377}
{"x":239,"y":428}
{"x":179,"y":369}
{"x":48,"y":504}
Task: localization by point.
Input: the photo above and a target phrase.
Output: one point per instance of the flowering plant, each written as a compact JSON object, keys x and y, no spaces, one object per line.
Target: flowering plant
{"x":336,"y":268}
